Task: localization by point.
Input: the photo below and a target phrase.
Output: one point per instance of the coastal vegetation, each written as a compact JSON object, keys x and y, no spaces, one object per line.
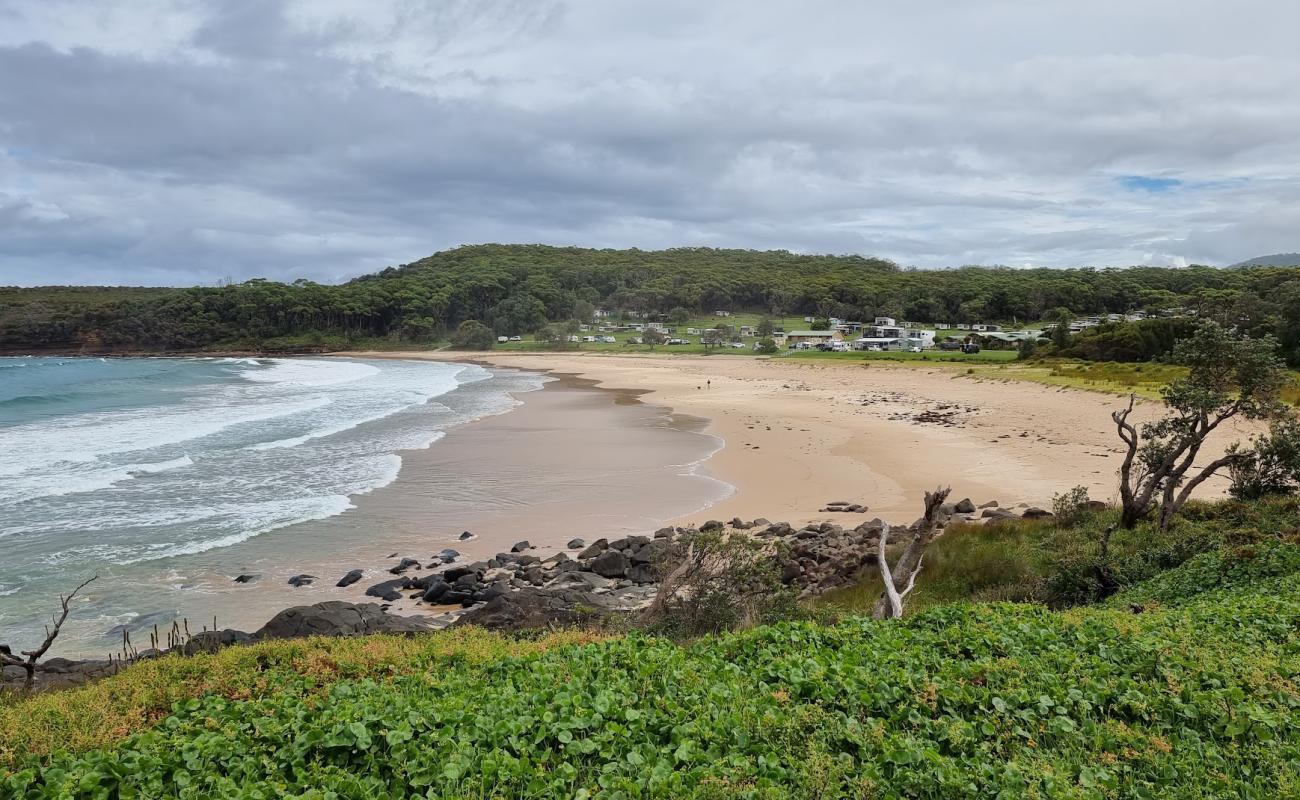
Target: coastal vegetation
{"x":1180,"y":680}
{"x":519,"y":289}
{"x":1181,"y":684}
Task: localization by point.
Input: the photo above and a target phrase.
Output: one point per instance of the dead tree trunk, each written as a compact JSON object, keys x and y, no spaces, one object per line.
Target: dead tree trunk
{"x":32,"y":656}
{"x":900,"y":579}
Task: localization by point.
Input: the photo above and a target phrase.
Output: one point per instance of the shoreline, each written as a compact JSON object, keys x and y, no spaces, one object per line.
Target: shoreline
{"x":798,"y":436}
{"x":561,"y":458}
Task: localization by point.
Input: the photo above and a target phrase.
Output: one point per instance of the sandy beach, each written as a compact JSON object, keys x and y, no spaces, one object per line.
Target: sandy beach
{"x":800,"y":434}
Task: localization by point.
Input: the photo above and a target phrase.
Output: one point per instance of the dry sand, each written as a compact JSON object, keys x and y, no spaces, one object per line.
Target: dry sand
{"x":800,"y":434}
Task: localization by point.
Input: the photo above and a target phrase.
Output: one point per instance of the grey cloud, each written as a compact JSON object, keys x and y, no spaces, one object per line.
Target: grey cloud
{"x":325,"y":139}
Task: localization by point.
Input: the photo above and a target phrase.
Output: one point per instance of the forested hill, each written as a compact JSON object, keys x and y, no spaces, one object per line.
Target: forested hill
{"x":518,"y":288}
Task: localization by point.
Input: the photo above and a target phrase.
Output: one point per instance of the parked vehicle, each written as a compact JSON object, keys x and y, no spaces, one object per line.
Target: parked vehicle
{"x":516,"y":338}
{"x":608,"y":339}
{"x":502,"y":339}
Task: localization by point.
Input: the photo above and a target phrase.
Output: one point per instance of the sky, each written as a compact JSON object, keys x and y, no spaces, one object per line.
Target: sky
{"x":176,"y":142}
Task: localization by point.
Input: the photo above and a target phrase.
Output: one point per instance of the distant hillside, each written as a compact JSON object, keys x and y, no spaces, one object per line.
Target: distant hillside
{"x":1275,"y":260}
{"x":518,"y":289}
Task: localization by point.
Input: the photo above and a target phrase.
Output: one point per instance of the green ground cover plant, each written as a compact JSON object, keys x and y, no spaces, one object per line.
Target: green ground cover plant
{"x":1184,"y":684}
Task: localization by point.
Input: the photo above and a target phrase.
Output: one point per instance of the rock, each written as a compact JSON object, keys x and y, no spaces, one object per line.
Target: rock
{"x":521,"y":547}
{"x":651,"y":552}
{"x":494,"y":575}
{"x":467,"y":581}
{"x":964,"y":506}
{"x":456,"y":597}
{"x":537,"y":608}
{"x":335,"y":618}
{"x":454,"y":574}
{"x":990,"y":504}
{"x":349,"y":579}
{"x":245,"y":578}
{"x":448,"y":555}
{"x":1036,"y":513}
{"x":576,"y":544}
{"x":597,"y":547}
{"x":760,"y":522}
{"x":388,"y":590}
{"x":1097,"y":505}
{"x":711,"y":525}
{"x":664,"y":533}
{"x":643,"y":573}
{"x":487,"y":594}
{"x":789,"y":572}
{"x":465,"y":536}
{"x":435,"y":591}
{"x":610,"y":564}
{"x":404,"y":565}
{"x":779,"y":529}
{"x":998,"y":514}
{"x":212,"y":641}
{"x":301,"y":580}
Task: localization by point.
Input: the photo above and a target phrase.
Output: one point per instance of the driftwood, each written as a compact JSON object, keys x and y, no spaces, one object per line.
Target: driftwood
{"x":28,"y":664}
{"x":900,"y":579}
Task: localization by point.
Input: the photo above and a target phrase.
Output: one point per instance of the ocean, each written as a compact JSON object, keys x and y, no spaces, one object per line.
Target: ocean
{"x":151,"y":471}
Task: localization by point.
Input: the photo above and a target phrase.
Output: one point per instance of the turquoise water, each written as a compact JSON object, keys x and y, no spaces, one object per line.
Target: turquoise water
{"x":127,"y":467}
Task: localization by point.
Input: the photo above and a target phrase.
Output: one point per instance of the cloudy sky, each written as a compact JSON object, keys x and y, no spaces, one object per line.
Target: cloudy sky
{"x":187,"y":141}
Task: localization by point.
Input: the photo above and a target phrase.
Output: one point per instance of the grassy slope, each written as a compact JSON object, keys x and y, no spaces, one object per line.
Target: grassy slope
{"x":1196,"y":697}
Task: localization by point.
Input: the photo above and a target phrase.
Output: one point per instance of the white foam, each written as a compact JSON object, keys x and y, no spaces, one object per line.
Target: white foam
{"x":21,"y":491}
{"x":52,"y":446}
{"x":310,"y":372}
{"x":306,"y":509}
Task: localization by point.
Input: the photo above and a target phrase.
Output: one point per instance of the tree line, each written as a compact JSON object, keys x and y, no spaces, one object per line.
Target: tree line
{"x":517,"y":289}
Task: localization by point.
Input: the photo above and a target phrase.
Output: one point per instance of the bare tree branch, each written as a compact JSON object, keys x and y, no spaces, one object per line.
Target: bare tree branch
{"x":29,"y":664}
{"x":900,"y":578}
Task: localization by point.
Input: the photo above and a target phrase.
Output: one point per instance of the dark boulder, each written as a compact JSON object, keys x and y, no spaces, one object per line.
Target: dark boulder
{"x":404,"y":565}
{"x":712,"y":525}
{"x":576,"y":544}
{"x":536,"y":608}
{"x":349,"y":579}
{"x":388,"y":590}
{"x":301,"y":580}
{"x":1037,"y":513}
{"x":212,"y":641}
{"x":336,"y":618}
{"x":642,"y":573}
{"x":521,"y":547}
{"x":465,"y":536}
{"x":487,"y":594}
{"x":964,"y":506}
{"x":448,"y":555}
{"x":455,"y":573}
{"x":456,"y":597}
{"x":596,"y":548}
{"x":435,"y":591}
{"x":652,"y":552}
{"x":245,"y":578}
{"x":610,"y":564}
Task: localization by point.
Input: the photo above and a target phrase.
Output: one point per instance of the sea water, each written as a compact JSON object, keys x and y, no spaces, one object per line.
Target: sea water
{"x":130,"y":468}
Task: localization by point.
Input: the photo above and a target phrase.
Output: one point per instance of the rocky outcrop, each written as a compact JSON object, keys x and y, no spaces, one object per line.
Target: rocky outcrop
{"x":337,"y":618}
